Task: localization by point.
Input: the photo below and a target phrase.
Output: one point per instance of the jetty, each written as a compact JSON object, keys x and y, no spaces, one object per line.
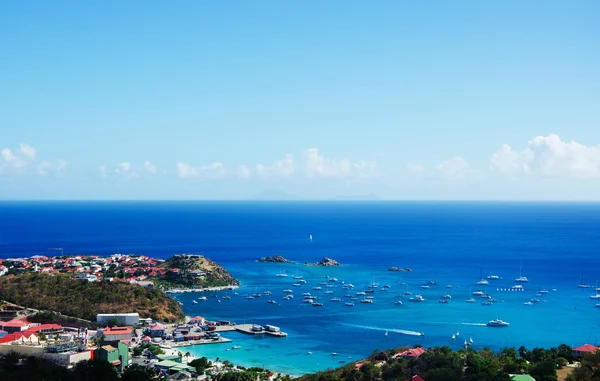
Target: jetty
{"x":253,"y":329}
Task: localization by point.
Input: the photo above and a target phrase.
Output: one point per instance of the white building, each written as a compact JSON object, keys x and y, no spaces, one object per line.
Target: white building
{"x":130,"y":319}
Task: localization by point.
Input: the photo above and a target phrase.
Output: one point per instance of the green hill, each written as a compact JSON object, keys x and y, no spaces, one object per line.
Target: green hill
{"x":195,"y":271}
{"x":82,"y":299}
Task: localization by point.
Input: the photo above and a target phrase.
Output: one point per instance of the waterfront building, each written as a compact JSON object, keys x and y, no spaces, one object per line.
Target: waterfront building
{"x":581,"y":351}
{"x":131,"y":319}
{"x":157,"y":330}
{"x":14,"y":326}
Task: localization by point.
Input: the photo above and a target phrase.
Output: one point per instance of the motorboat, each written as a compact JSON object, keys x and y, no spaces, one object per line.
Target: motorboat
{"x":194,"y":302}
{"x":308,"y":301}
{"x":329,"y":292}
{"x":398,"y":302}
{"x":521,"y":278}
{"x":361,"y":293}
{"x":470,"y":300}
{"x":483,"y":282}
{"x":306,"y":294}
{"x":534,"y":300}
{"x":271,"y":301}
{"x":425,"y":286}
{"x":203,"y":298}
{"x":486,"y":303}
{"x":417,"y":298}
{"x":335,"y":299}
{"x":493,"y":277}
{"x":449,"y":286}
{"x":497,"y":323}
{"x":432,"y":282}
{"x":317,"y":304}
{"x":543,"y":291}
{"x":281,"y":275}
{"x":317,"y":288}
{"x":528,"y":303}
{"x":302,"y":281}
{"x":444,"y":301}
{"x":478,"y":293}
{"x":296,"y":284}
{"x":267,"y":293}
{"x":367,"y":301}
{"x":288,"y":291}
{"x":226,"y":297}
{"x":446,"y":296}
{"x":407,"y":293}
{"x":349,"y":304}
{"x":597,"y":296}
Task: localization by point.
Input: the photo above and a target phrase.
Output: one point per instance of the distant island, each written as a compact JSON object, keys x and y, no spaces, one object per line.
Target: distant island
{"x":275,"y":259}
{"x":324,"y":262}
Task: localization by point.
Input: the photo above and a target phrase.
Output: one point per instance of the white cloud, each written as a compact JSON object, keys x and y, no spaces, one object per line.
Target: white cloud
{"x":28,"y":151}
{"x":149,"y":167}
{"x":243,"y":172}
{"x":45,"y":167}
{"x":456,"y":168}
{"x":318,"y":165}
{"x":284,"y":168}
{"x":126,"y":170}
{"x":549,"y":156}
{"x":415,"y":168}
{"x":8,"y":155}
{"x":211,"y":171}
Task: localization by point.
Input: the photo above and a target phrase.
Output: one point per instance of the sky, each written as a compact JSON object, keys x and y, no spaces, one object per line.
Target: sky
{"x":403,"y":100}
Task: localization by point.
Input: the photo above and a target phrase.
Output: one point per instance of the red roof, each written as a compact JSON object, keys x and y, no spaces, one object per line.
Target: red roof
{"x":16,"y":336}
{"x":117,"y":331}
{"x":415,"y":352}
{"x":416,"y":378}
{"x":43,"y":327}
{"x":14,"y":323}
{"x":197,"y":318}
{"x":586,"y":348}
{"x":146,"y":338}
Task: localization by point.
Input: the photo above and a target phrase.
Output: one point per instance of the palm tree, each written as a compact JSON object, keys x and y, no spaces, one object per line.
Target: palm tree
{"x":187,"y":355}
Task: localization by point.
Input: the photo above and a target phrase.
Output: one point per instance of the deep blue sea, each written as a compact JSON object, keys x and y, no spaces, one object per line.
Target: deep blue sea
{"x":555,"y":244}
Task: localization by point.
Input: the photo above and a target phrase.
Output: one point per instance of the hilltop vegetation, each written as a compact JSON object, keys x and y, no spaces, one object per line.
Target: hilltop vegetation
{"x":443,"y":364}
{"x":84,"y":299}
{"x":195,"y":271}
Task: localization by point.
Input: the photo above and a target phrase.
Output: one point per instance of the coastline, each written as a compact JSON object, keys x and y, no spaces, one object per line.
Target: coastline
{"x":204,"y":289}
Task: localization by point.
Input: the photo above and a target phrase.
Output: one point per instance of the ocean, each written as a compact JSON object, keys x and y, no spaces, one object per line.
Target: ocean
{"x":555,"y":245}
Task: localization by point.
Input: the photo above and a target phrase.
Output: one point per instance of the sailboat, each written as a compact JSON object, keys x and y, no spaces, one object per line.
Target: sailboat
{"x":310,"y":237}
{"x":521,"y":278}
{"x":583,"y":285}
{"x":386,"y":333}
{"x":482,"y":280}
{"x":453,"y":337}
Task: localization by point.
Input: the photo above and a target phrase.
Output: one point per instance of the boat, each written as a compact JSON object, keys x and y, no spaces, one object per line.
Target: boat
{"x":317,"y":288}
{"x":347,"y":296}
{"x":598,"y":305}
{"x":521,"y":278}
{"x":417,"y":298}
{"x":457,"y":334}
{"x":528,"y":303}
{"x":250,"y":297}
{"x":302,"y":281}
{"x":432,"y":282}
{"x":296,"y":284}
{"x":470,"y":340}
{"x":288,"y":297}
{"x":361,"y":293}
{"x":424,"y":286}
{"x":271,"y":301}
{"x":310,"y":238}
{"x":486,"y":303}
{"x":309,"y":301}
{"x":470,"y":300}
{"x":583,"y":285}
{"x":386,"y":333}
{"x":333,"y":279}
{"x":256,"y":295}
{"x":597,"y":296}
{"x":478,"y":293}
{"x":493,"y":277}
{"x":534,"y":300}
{"x":444,"y":301}
{"x":236,"y":347}
{"x":335,"y":299}
{"x":449,"y":286}
{"x":543,"y":291}
{"x":309,"y":353}
{"x":227,"y":297}
{"x":194,"y":302}
{"x":453,"y":337}
{"x":446,"y":296}
{"x":329,"y":292}
{"x":306,"y":294}
{"x":317,"y":304}
{"x":497,"y":323}
{"x":482,"y":280}
{"x":203,"y":298}
{"x":407,"y":293}
{"x":281,"y":275}
{"x":554,"y":290}
{"x":288,"y":291}
{"x":349,"y":304}
{"x":367,"y":301}
{"x":398,"y":302}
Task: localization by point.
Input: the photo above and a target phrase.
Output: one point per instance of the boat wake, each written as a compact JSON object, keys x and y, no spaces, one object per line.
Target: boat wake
{"x":401,"y":331}
{"x":475,"y":324}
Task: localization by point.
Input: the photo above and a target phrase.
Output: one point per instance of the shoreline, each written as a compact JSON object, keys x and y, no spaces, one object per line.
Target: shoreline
{"x":204,"y":289}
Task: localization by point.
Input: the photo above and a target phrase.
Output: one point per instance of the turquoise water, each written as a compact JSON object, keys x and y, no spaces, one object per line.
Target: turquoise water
{"x":556,"y":243}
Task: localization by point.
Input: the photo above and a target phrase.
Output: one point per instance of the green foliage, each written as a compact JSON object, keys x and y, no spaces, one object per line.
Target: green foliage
{"x":135,"y":372}
{"x":154,"y":349}
{"x":200,"y":364}
{"x":113,"y":322}
{"x":95,"y":370}
{"x":86,"y":299}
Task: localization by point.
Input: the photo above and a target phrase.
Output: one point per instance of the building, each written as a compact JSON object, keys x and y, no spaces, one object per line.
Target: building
{"x":115,"y":334}
{"x":581,"y":351}
{"x":197,"y":320}
{"x":415,"y":378}
{"x":411,"y":353}
{"x":46,"y":329}
{"x":20,"y":338}
{"x":131,"y":319}
{"x":14,"y":326}
{"x":114,"y":352}
{"x":157,"y":330}
{"x":521,"y":377}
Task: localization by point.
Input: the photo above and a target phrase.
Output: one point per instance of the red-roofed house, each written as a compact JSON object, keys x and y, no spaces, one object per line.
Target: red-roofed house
{"x":197,"y":320}
{"x":157,"y":330}
{"x":14,"y":326}
{"x":46,"y":329}
{"x":116,"y":334}
{"x":414,"y":353}
{"x":20,"y":338}
{"x":416,"y":378}
{"x":579,"y":352}
{"x":146,"y":339}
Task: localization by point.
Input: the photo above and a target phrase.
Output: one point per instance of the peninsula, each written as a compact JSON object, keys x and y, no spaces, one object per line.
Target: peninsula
{"x":275,"y":259}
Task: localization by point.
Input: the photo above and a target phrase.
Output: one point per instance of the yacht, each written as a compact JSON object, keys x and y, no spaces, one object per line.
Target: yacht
{"x":444,"y":301}
{"x":296,"y":284}
{"x":281,"y":275}
{"x":583,"y":285}
{"x":543,"y":291}
{"x":288,"y":297}
{"x":194,"y":302}
{"x":446,"y":296}
{"x":361,"y":293}
{"x":349,"y":304}
{"x":407,"y":293}
{"x":478,"y":293}
{"x":482,"y":280}
{"x":203,"y":298}
{"x":424,"y":286}
{"x":308,"y":301}
{"x":333,"y":279}
{"x":449,"y":286}
{"x":227,"y":297}
{"x":302,"y":281}
{"x":471,"y":300}
{"x":335,"y":299}
{"x":534,"y":300}
{"x":367,"y":301}
{"x":306,"y":294}
{"x":528,"y":303}
{"x":317,"y":304}
{"x":271,"y":301}
{"x":597,"y":296}
{"x":497,"y":323}
{"x":288,"y":291}
{"x":398,"y":302}
{"x":486,"y":303}
{"x":417,"y":298}
{"x":517,"y":287}
{"x":386,"y":287}
{"x":256,"y":295}
{"x":267,"y":293}
{"x":317,"y":288}
{"x":329,"y":292}
{"x":250,"y":297}
{"x":493,"y":277}
{"x":432,"y":282}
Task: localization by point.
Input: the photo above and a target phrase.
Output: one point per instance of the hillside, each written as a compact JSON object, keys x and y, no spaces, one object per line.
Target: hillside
{"x":195,"y":271}
{"x":82,"y":299}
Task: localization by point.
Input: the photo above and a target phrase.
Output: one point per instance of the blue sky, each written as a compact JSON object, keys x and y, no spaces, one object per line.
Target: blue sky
{"x":225,"y":100}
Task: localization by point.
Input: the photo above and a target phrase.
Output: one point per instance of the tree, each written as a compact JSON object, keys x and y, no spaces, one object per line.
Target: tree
{"x":113,"y":322}
{"x":200,"y":364}
{"x":136,"y":372}
{"x":95,"y":370}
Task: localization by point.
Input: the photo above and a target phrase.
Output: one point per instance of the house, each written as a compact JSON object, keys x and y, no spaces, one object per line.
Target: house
{"x":115,"y":334}
{"x":197,"y":320}
{"x":124,"y":318}
{"x":20,"y":338}
{"x":416,"y":378}
{"x":581,"y":351}
{"x":115,"y":352}
{"x":14,"y":326}
{"x":146,"y":340}
{"x":157,"y":330}
{"x":46,"y":329}
{"x":411,"y":353}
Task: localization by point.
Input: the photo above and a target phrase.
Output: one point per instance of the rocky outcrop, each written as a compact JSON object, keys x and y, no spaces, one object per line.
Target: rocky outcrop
{"x":400,"y":269}
{"x":326,"y":262}
{"x":275,"y":259}
{"x":196,"y":270}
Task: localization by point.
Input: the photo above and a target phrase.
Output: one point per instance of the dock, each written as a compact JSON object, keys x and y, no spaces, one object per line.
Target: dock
{"x":247,"y":329}
{"x":200,"y":342}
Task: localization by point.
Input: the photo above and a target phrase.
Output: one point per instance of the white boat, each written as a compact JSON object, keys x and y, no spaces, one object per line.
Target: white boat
{"x":308,"y":301}
{"x":310,"y":237}
{"x":203,"y":298}
{"x":583,"y":285}
{"x":597,"y":296}
{"x":367,"y":301}
{"x":470,"y":300}
{"x":271,"y":301}
{"x":335,"y":299}
{"x":317,"y":304}
{"x":398,"y":302}
{"x":457,"y":334}
{"x":543,"y":291}
{"x":493,"y":277}
{"x":296,"y":284}
{"x":443,"y":301}
{"x":497,"y":323}
{"x":227,"y":297}
{"x":453,"y":337}
{"x":482,"y":280}
{"x":446,"y":296}
{"x":449,"y":286}
{"x":349,"y":304}
{"x":521,"y":278}
{"x":478,"y":293}
{"x":386,"y":333}
{"x":329,"y":292}
{"x":317,"y":288}
{"x":250,"y":297}
{"x":288,"y":291}
{"x":267,"y":293}
{"x":528,"y":303}
{"x":417,"y":298}
{"x":194,"y":302}
{"x":236,"y":347}
{"x":361,"y":293}
{"x":281,"y":275}
{"x":517,"y":287}
{"x":306,"y":294}
{"x":534,"y":300}
{"x":407,"y":293}
{"x":424,"y":286}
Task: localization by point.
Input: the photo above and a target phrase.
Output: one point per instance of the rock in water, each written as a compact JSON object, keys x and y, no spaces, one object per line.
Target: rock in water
{"x":327,"y":262}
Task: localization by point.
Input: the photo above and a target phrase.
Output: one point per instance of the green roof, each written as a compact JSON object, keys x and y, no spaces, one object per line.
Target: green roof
{"x":167,"y":364}
{"x":183,"y":367}
{"x":522,"y":377}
